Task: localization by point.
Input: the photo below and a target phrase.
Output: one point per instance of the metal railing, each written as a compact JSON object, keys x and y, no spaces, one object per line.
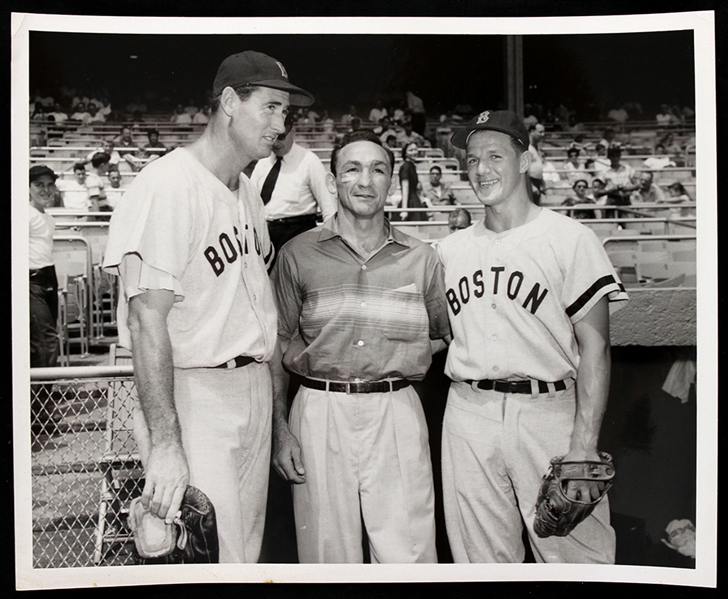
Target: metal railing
{"x":85,"y":470}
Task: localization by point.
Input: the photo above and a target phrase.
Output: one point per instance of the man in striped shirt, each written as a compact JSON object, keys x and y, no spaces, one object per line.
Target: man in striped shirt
{"x":359,"y":303}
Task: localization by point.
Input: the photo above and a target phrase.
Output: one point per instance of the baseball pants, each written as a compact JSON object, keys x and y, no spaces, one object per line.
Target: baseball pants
{"x":496,"y":447}
{"x":367,"y":458}
{"x":225,"y":419}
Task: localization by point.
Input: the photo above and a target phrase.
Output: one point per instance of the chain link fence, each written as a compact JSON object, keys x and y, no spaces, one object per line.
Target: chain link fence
{"x":85,"y":469}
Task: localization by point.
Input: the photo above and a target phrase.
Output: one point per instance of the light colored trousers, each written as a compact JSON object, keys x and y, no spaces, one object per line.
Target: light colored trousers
{"x":496,"y":447}
{"x":367,"y":458}
{"x":225,"y":419}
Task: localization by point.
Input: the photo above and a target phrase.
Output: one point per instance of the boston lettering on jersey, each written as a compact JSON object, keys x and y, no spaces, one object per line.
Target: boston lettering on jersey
{"x":228,"y":250}
{"x":513,"y":287}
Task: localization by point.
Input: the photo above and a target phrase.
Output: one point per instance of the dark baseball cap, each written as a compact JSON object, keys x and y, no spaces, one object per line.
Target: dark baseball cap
{"x":504,"y":121}
{"x":255,"y":68}
{"x":37,"y":171}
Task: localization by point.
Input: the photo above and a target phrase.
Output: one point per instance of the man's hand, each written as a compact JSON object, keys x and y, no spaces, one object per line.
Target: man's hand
{"x":166,"y":478}
{"x":287,"y":455}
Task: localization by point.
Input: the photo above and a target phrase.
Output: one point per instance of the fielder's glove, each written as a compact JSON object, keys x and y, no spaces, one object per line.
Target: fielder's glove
{"x":191,"y":539}
{"x":556,"y":513}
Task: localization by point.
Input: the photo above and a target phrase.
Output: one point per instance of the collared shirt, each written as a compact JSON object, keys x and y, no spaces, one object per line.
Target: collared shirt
{"x":653,"y":195}
{"x":300,"y":188}
{"x":622,"y":175}
{"x":350,"y":318}
{"x":439,"y":194}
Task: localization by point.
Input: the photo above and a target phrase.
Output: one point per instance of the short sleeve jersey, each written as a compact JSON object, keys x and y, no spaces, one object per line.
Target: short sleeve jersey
{"x":180,"y":219}
{"x":513,"y":297}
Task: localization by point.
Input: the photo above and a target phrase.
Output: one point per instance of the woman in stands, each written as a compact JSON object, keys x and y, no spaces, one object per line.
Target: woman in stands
{"x":410,"y":184}
{"x":581,"y":197}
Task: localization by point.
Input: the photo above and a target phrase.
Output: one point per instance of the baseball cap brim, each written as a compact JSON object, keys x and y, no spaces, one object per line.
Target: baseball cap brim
{"x":460,"y":139}
{"x":297,"y":96}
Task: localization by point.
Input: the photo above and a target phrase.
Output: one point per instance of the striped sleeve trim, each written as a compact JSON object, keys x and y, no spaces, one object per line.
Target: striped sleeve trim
{"x":586,"y":297}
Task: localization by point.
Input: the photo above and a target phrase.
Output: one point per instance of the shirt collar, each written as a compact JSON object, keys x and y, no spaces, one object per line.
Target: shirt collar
{"x":331,"y":230}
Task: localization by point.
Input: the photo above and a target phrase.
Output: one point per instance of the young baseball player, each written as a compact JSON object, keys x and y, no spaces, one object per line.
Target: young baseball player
{"x":191,"y":246}
{"x":529,"y":292}
{"x":358,"y":303}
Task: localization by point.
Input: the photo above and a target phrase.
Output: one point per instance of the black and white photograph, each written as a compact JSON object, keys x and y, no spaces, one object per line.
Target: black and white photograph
{"x":364,"y":299}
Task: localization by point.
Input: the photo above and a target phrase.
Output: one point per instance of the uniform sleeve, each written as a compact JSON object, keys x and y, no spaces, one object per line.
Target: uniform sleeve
{"x":317,"y":182}
{"x":154,"y":222}
{"x":435,"y":301}
{"x":589,"y":276}
{"x":286,"y":290}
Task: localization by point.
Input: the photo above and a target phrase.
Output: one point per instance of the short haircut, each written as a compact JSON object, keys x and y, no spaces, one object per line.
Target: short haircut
{"x":243,"y":91}
{"x":584,"y":181}
{"x":360,"y":135}
{"x":79,"y":166}
{"x":152,"y":132}
{"x":100,"y":158}
{"x":571,"y":151}
{"x":436,"y":168}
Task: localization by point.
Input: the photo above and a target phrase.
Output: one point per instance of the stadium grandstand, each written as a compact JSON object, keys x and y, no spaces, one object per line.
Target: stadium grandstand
{"x":85,"y":466}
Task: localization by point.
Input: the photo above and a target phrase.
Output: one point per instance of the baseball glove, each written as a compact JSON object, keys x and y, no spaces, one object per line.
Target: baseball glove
{"x":557,"y":514}
{"x":191,"y":539}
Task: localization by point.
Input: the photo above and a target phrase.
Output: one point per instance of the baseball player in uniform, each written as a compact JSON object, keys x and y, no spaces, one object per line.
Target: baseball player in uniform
{"x":529,"y":293}
{"x":191,"y":246}
{"x":358,"y":304}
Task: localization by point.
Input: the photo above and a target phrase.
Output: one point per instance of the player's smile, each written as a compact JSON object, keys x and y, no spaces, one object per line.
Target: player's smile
{"x":494,"y":168}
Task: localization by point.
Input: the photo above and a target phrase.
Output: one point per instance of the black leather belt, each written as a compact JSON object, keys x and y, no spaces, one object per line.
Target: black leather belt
{"x":237,"y":362}
{"x":515,"y":386}
{"x":360,"y":387}
{"x":292,"y":220}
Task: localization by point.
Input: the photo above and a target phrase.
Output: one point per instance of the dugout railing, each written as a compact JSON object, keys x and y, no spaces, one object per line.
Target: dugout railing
{"x":84,"y":466}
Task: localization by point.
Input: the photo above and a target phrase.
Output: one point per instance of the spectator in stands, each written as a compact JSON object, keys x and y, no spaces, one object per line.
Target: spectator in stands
{"x":409,"y":135}
{"x":459,"y":219}
{"x":125,"y":142}
{"x":292,"y":184}
{"x":155,"y":148}
{"x":398,"y":114}
{"x":192,"y":108}
{"x":355,"y":124}
{"x":385,"y":129}
{"x":608,"y":138}
{"x":376,"y":113}
{"x":409,"y":183}
{"x":669,"y":144}
{"x":573,"y":125}
{"x":203,"y":116}
{"x":106,"y":146}
{"x":346,"y":118}
{"x":74,"y":192}
{"x":679,"y":195}
{"x":115,"y":190}
{"x":659,"y":160}
{"x":81,"y":114}
{"x":581,"y":197}
{"x":43,"y":301}
{"x":180,"y":117}
{"x":536,"y":135}
{"x":619,"y":115}
{"x":95,"y":181}
{"x":58,"y":115}
{"x":94,"y":115}
{"x":573,"y":167}
{"x":416,"y":109}
{"x":665,"y":117}
{"x":648,"y":192}
{"x":620,"y":181}
{"x":436,"y":191}
{"x":391,"y":141}
{"x":599,"y":161}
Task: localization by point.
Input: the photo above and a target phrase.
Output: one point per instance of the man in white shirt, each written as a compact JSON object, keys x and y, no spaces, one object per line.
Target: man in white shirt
{"x":297,"y":193}
{"x":74,"y":192}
